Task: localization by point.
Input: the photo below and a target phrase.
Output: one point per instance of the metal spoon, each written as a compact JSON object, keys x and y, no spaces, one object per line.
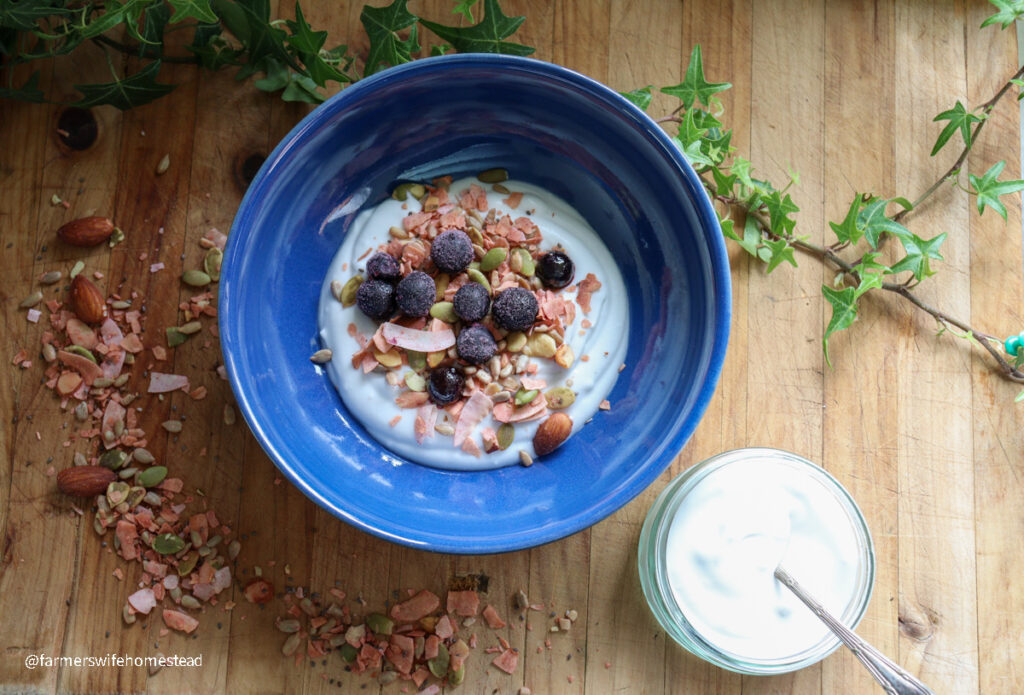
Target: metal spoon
{"x":893,"y":679}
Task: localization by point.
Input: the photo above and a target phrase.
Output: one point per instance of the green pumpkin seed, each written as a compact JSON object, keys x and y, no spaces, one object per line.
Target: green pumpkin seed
{"x":291,"y":645}
{"x":212,"y":262}
{"x":415,"y":382}
{"x":98,"y":527}
{"x":187,"y":564}
{"x":506,"y":433}
{"x":498,"y":188}
{"x":214,"y":541}
{"x":152,"y":499}
{"x":417,"y":360}
{"x":288,"y":626}
{"x":439,"y":664}
{"x":117,"y":492}
{"x":81,"y":351}
{"x":493,"y":258}
{"x":113,"y":459}
{"x":190,"y":602}
{"x":196,"y":538}
{"x":457,"y":676}
{"x":560,"y":397}
{"x":347,"y":295}
{"x":348,"y":653}
{"x":195,"y":278}
{"x":135,"y":496}
{"x":191,"y":328}
{"x":492,"y":176}
{"x":143,"y":456}
{"x":121,"y":380}
{"x":403,"y":190}
{"x":152,"y":476}
{"x":477,"y":276}
{"x":380,"y":624}
{"x":102,"y":383}
{"x":387,"y":677}
{"x":525,"y":397}
{"x":444,"y":311}
{"x":522,"y":262}
{"x":126,"y":473}
{"x":169,"y":544}
{"x":175,"y":337}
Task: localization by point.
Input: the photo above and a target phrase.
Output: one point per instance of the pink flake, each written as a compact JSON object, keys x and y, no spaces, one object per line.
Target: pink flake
{"x":33,"y":315}
{"x":156,"y":267}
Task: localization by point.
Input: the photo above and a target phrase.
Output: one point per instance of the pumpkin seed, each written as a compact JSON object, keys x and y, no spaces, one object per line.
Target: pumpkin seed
{"x":79,"y":459}
{"x":431,"y":203}
{"x":522,"y":262}
{"x":506,"y":433}
{"x":439,"y":664}
{"x":289,"y":626}
{"x":190,"y":602}
{"x":415,"y":382}
{"x":387,"y":677}
{"x":492,"y":176}
{"x":102,"y":382}
{"x":214,"y":541}
{"x":525,"y":397}
{"x":191,"y":328}
{"x":195,"y":278}
{"x":475,"y":235}
{"x":122,"y":380}
{"x":113,"y":459}
{"x":168,"y":544}
{"x":380,"y":624}
{"x":348,"y":653}
{"x":212,"y":262}
{"x":127,"y":615}
{"x":417,"y":360}
{"x":98,"y":526}
{"x":515,"y":341}
{"x":493,"y":258}
{"x":403,"y":190}
{"x":389,"y":359}
{"x":477,"y":276}
{"x":50,"y":277}
{"x":347,"y":294}
{"x":81,"y":412}
{"x":444,"y":311}
{"x":457,"y":676}
{"x":117,"y":492}
{"x":500,"y":396}
{"x":196,"y":538}
{"x":135,"y":496}
{"x":120,"y":304}
{"x":542,"y":345}
{"x":234,"y":547}
{"x":441,"y":283}
{"x":498,"y":188}
{"x":560,"y":397}
{"x":175,"y":337}
{"x":126,"y":400}
{"x":175,"y":594}
{"x":31,"y":300}
{"x":321,"y":356}
{"x":152,"y":476}
{"x":173,"y":426}
{"x":143,"y":456}
{"x":187,"y":564}
{"x":81,"y":351}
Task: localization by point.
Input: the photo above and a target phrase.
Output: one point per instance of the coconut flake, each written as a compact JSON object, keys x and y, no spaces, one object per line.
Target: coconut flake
{"x":420,"y":341}
{"x":473,"y":413}
{"x":163,"y":383}
{"x":143,"y":601}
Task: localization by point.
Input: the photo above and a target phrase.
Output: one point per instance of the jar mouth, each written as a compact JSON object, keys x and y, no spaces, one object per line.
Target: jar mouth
{"x":653,"y":567}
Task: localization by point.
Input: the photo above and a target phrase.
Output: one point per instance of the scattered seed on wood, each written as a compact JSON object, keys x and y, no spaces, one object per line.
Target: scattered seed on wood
{"x":173,"y":426}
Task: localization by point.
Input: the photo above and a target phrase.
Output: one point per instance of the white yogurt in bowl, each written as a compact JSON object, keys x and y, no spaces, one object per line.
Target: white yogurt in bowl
{"x":598,"y":339}
{"x":713,"y":539}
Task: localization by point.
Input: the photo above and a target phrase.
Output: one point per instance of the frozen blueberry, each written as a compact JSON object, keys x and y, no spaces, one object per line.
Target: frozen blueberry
{"x":415,"y":294}
{"x":556,"y":269}
{"x":515,"y":309}
{"x":445,"y":385}
{"x":452,"y":251}
{"x":383,"y":266}
{"x":475,"y":344}
{"x":472,"y":302}
{"x":376,"y":299}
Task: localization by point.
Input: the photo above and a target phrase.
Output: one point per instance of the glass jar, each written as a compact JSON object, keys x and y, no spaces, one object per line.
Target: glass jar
{"x":654,"y":558}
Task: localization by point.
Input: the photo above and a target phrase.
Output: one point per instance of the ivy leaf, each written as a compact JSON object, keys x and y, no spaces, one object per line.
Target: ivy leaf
{"x":959,"y":119}
{"x":779,"y":210}
{"x":486,"y":37}
{"x":694,"y":86}
{"x":23,"y":14}
{"x":153,"y":24}
{"x":1008,"y":12}
{"x":989,"y":189}
{"x":751,"y":239}
{"x":844,"y":313}
{"x":382,"y":25}
{"x":780,"y":251}
{"x":869,"y":262}
{"x":199,"y":10}
{"x":847,"y":231}
{"x":249,"y":21}
{"x":440,"y":49}
{"x":29,"y":91}
{"x":741,"y":168}
{"x":277,"y":77}
{"x":723,"y":183}
{"x":641,"y":98}
{"x":210,"y":47}
{"x":465,"y":8}
{"x":919,"y":253}
{"x":307,"y":43}
{"x":873,"y":222}
{"x":134,"y":90}
{"x":1019,"y":83}
{"x":302,"y":88}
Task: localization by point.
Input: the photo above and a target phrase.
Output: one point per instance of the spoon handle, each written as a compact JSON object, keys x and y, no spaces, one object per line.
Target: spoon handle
{"x":893,"y":679}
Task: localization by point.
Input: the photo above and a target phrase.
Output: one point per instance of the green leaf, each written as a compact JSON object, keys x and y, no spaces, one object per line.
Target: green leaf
{"x":1007,"y":12}
{"x":29,"y":91}
{"x":24,"y":14}
{"x":847,"y":231}
{"x":780,"y":251}
{"x":959,"y":119}
{"x":641,"y":98}
{"x":919,"y":253}
{"x":440,"y":49}
{"x":199,"y":10}
{"x":873,"y":222}
{"x":307,"y":43}
{"x":751,"y":239}
{"x":134,"y":90}
{"x":989,"y":188}
{"x":902,"y":202}
{"x":153,"y":24}
{"x":723,"y":183}
{"x":1019,"y":398}
{"x":465,"y":8}
{"x":694,"y":86}
{"x":780,"y":208}
{"x":249,"y":21}
{"x":486,"y":37}
{"x":868,"y":263}
{"x":277,"y":77}
{"x":302,"y":88}
{"x":741,"y":168}
{"x":382,"y":25}
{"x":210,"y":47}
{"x":844,"y":313}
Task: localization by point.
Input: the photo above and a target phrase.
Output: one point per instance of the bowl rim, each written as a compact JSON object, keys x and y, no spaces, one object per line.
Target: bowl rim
{"x":721,"y":292}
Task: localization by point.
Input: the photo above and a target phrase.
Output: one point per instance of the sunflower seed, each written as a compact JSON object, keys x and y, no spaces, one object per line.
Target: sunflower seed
{"x":229,"y":414}
{"x":143,"y":456}
{"x":50,"y":277}
{"x":77,"y":268}
{"x":190,"y":328}
{"x":163,"y":165}
{"x":525,"y":458}
{"x":321,"y":356}
{"x":81,"y":412}
{"x":173,"y":426}
{"x":31,"y":300}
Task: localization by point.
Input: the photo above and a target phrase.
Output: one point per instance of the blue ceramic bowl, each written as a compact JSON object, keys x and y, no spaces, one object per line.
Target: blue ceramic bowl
{"x":459,"y":115}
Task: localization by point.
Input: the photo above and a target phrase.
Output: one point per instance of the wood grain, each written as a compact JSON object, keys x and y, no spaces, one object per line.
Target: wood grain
{"x":917,"y":427}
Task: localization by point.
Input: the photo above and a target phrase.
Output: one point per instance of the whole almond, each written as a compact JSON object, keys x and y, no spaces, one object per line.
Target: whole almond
{"x":551,"y":433}
{"x":85,"y":481}
{"x":86,"y":231}
{"x":86,"y":301}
